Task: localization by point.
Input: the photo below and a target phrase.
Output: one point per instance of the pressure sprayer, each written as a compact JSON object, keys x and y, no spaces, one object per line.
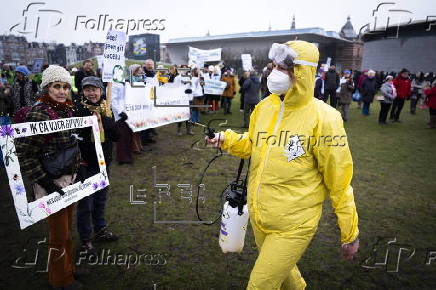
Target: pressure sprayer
{"x":234,"y":215}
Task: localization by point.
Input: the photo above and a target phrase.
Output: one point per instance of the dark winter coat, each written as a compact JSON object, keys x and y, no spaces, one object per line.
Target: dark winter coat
{"x":23,"y":94}
{"x":346,"y":92}
{"x":331,"y":80}
{"x":368,"y":90}
{"x":251,"y":89}
{"x":6,"y":104}
{"x":318,"y":92}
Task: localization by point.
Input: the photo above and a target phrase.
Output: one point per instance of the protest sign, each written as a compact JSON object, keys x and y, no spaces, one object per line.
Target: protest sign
{"x":170,"y":105}
{"x":328,"y":63}
{"x":31,"y":212}
{"x":199,"y":56}
{"x":113,"y":56}
{"x":214,"y":87}
{"x":246,"y":62}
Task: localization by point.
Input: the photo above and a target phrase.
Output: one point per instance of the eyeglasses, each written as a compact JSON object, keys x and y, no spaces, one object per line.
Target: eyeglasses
{"x":59,"y":86}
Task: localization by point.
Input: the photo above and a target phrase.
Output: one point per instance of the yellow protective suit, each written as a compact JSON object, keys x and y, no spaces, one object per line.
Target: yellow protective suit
{"x":299,"y":155}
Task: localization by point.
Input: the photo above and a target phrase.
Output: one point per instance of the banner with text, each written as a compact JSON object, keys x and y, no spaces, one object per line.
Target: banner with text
{"x":199,"y":56}
{"x":143,"y":111}
{"x":214,"y":87}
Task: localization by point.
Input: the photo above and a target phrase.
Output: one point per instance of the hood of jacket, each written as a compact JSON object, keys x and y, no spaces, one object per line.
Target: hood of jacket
{"x":301,"y":93}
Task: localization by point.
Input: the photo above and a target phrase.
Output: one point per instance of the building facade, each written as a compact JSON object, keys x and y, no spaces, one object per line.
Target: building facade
{"x":411,"y":46}
{"x":16,"y":50}
{"x":345,"y":51}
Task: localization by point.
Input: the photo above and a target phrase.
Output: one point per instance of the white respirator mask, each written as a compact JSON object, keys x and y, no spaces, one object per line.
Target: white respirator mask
{"x":278,"y":82}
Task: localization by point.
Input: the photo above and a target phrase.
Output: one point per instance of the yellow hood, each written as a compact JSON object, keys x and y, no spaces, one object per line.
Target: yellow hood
{"x":305,"y":70}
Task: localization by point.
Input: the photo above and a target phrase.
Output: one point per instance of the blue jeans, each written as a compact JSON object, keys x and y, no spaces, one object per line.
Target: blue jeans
{"x":92,"y":206}
{"x":195,"y":116}
{"x":4,"y":120}
{"x":365,"y":109}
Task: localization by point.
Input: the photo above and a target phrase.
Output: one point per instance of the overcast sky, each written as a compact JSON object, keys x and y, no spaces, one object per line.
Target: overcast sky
{"x":195,"y":18}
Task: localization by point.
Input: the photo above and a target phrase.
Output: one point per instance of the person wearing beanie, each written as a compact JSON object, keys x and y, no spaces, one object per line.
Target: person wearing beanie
{"x":93,"y":207}
{"x":403,"y":85}
{"x":54,"y":103}
{"x":136,"y":73}
{"x":368,"y":91}
{"x":389,"y":93}
{"x":23,"y":90}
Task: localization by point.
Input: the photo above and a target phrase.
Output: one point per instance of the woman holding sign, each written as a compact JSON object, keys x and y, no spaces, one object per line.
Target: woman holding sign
{"x":92,"y":207}
{"x":54,"y":104}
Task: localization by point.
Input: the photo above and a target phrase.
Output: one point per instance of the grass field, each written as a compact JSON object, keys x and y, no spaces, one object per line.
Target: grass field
{"x":395,"y":192}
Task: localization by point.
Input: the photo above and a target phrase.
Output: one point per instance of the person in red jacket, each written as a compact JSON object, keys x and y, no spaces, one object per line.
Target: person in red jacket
{"x":403,"y":86}
{"x":431,"y":103}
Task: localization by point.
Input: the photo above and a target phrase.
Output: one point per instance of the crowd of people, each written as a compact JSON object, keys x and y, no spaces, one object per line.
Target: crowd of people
{"x":390,"y":90}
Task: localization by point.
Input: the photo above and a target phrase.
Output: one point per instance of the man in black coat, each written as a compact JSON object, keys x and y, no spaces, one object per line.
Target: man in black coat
{"x":93,"y":206}
{"x":331,"y":85}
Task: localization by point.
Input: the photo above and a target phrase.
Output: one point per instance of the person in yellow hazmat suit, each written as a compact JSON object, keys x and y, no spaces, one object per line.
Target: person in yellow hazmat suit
{"x":299,"y":155}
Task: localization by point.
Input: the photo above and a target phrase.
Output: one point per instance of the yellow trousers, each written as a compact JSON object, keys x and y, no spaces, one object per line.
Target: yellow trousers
{"x":279,"y":252}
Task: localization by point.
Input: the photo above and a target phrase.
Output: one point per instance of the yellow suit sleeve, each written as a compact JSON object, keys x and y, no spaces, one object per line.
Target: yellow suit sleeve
{"x":239,"y":144}
{"x":336,"y":165}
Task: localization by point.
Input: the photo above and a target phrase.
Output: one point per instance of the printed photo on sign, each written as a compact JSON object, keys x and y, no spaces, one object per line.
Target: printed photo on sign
{"x":31,"y":209}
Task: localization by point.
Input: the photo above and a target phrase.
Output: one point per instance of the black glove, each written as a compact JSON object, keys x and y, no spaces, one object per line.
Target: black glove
{"x":50,"y":186}
{"x":188,"y":91}
{"x":81,"y":174}
{"x":123,"y":116}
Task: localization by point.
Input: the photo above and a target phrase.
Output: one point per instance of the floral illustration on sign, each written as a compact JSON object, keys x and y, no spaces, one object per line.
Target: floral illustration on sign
{"x":44,"y":207}
{"x":103,"y":184}
{"x":7,"y":132}
{"x":95,"y":186}
{"x":19,"y":189}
